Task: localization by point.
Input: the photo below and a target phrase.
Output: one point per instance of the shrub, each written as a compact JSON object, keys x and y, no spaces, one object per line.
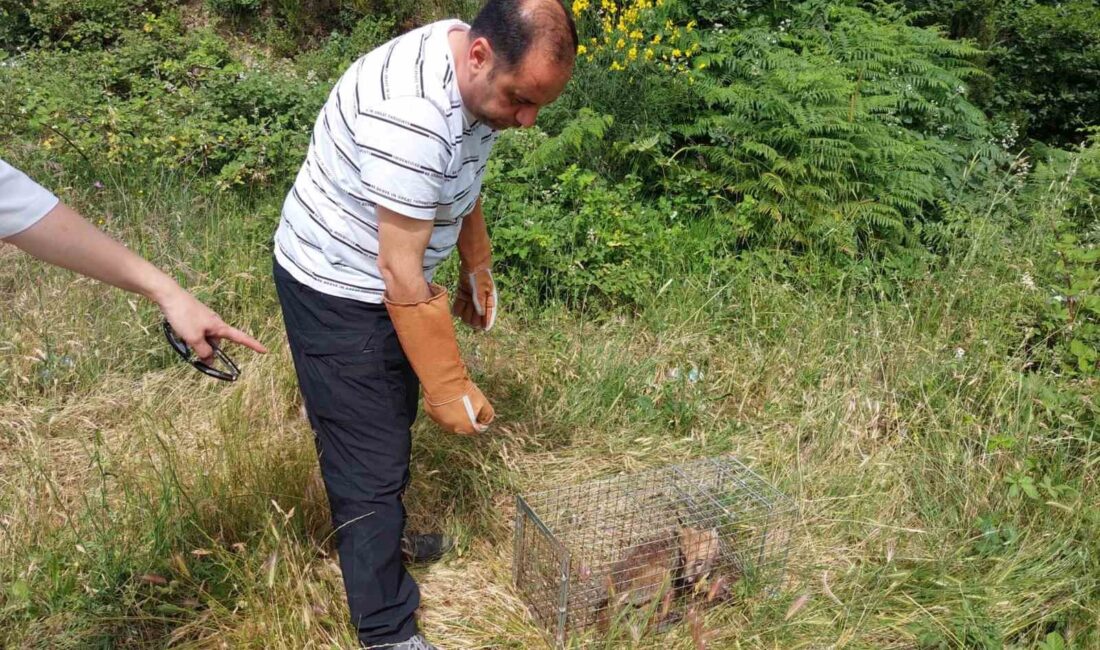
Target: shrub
{"x":1066,"y":195}
{"x":1047,"y":68}
{"x":70,"y":24}
{"x":819,"y":128}
{"x":1044,"y":58}
{"x":163,"y":98}
{"x":235,"y":7}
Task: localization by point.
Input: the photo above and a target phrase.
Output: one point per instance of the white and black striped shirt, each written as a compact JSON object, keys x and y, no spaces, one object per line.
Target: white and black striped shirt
{"x":394,"y":133}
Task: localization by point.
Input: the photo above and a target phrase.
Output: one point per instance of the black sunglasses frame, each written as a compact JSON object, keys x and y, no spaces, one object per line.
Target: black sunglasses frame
{"x":187,"y":355}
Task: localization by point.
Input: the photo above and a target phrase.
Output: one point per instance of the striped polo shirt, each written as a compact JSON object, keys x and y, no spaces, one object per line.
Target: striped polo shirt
{"x":393,"y":132}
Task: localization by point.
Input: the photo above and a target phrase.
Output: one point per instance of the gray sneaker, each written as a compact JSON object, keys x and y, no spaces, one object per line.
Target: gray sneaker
{"x":414,"y":643}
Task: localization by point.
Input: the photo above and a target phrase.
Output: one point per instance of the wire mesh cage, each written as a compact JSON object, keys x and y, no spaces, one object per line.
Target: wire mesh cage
{"x":625,"y":558}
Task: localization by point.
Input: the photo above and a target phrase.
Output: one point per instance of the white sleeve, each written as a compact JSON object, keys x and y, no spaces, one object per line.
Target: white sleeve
{"x":22,"y":201}
{"x":404,"y":149}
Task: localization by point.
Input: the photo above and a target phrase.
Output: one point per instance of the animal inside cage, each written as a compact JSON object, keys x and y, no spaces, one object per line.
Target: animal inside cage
{"x":625,"y":558}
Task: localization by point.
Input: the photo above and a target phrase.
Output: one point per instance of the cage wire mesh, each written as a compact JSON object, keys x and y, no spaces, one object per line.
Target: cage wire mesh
{"x":625,"y":559}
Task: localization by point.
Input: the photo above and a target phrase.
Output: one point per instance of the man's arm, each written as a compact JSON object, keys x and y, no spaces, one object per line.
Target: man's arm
{"x":422,"y":320}
{"x":401,"y":245}
{"x":66,"y":239}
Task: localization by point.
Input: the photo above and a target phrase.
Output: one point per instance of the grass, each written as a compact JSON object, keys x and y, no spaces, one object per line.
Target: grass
{"x":142,"y":505}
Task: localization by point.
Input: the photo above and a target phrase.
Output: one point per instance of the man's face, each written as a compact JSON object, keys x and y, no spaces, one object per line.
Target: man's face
{"x":505,"y":98}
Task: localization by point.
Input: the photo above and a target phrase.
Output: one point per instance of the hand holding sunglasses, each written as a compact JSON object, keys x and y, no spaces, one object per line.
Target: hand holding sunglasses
{"x":231,"y":373}
{"x":198,"y":328}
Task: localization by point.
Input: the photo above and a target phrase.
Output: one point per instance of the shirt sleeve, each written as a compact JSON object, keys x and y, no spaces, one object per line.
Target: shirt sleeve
{"x":22,"y":201}
{"x":404,"y":147}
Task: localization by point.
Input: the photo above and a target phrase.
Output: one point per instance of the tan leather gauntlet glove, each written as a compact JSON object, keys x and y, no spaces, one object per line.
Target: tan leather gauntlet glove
{"x":428,"y":338}
{"x":476,"y":300}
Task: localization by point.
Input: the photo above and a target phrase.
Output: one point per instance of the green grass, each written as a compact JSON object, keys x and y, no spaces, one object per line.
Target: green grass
{"x":142,"y":505}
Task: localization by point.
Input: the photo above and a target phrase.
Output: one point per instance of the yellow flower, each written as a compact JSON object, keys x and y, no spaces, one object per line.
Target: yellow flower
{"x":657,"y":39}
{"x":702,"y":66}
{"x":581,"y":50}
{"x":620,"y":44}
{"x":615,"y":66}
{"x":677,"y":53}
{"x":649,"y":54}
{"x":691,"y":25}
{"x":632,"y":54}
{"x":579,"y":7}
{"x":636,"y":35}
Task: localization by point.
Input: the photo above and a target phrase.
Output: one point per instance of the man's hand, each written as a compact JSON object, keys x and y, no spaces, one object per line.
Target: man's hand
{"x":466,"y":414}
{"x":476,"y":299}
{"x":195,"y":324}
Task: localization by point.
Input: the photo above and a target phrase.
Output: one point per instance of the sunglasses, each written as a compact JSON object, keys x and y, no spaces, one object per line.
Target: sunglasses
{"x":230,"y":374}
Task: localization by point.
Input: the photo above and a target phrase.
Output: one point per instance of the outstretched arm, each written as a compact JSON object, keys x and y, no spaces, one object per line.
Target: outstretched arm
{"x":66,"y":239}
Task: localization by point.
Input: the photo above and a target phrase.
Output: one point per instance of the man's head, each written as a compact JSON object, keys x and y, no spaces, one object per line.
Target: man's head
{"x":517,"y":58}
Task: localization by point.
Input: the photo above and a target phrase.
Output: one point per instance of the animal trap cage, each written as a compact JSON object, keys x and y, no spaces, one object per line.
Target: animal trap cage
{"x":625,"y":559}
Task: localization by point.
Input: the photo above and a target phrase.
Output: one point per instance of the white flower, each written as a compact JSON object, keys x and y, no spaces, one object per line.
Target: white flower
{"x":1027,"y":281}
{"x":960,"y":353}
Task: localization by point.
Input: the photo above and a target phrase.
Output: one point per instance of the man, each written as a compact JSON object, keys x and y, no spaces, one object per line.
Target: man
{"x":33,"y":219}
{"x":390,"y":186}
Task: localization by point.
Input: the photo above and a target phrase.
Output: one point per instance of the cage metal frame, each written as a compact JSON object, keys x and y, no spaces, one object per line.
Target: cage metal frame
{"x":556,"y":532}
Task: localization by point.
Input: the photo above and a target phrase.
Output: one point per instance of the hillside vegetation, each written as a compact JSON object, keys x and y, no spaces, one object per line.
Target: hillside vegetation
{"x":853,"y":243}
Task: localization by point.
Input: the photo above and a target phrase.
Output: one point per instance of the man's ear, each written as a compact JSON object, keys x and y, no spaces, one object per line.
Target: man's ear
{"x":481,"y":55}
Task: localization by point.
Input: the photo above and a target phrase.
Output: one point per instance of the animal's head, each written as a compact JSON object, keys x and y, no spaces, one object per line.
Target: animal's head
{"x":700,"y":548}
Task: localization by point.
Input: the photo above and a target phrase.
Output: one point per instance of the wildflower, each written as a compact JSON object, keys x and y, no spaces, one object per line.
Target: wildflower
{"x":649,"y":54}
{"x":636,"y":35}
{"x":1028,"y":281}
{"x":676,"y":53}
{"x":632,"y":54}
{"x":616,"y":67}
{"x":579,"y":7}
{"x":620,"y":44}
{"x":657,"y":39}
{"x":691,"y":26}
{"x":582,"y":50}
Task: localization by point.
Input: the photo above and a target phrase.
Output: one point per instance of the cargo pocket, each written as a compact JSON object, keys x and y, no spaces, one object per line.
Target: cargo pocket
{"x":349,"y":377}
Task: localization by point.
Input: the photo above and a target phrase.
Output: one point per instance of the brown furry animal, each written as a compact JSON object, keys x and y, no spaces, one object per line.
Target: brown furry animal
{"x":654,"y":573}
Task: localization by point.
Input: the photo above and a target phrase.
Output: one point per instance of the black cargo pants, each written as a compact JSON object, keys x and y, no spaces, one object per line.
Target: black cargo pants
{"x":361,"y":395}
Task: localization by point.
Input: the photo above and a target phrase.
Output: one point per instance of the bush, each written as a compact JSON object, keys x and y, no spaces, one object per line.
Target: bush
{"x":574,"y":236}
{"x":1044,"y":58}
{"x":1066,"y":195}
{"x":70,"y":24}
{"x":161,"y":98}
{"x":235,"y":7}
{"x":1047,"y":68}
{"x":820,"y":127}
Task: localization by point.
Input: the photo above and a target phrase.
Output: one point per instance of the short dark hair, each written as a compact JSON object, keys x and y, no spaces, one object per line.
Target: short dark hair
{"x":513,"y":26}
